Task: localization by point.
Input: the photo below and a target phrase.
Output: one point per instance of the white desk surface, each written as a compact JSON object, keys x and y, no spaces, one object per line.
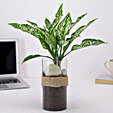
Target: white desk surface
{"x":83,"y":97}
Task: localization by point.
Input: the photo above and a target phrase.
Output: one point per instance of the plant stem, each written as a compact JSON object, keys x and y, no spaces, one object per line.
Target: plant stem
{"x":61,"y":51}
{"x":48,"y":57}
{"x":67,"y":54}
{"x":59,"y":63}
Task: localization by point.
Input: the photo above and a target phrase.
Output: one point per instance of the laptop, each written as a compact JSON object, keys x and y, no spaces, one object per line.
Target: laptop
{"x":9,"y":66}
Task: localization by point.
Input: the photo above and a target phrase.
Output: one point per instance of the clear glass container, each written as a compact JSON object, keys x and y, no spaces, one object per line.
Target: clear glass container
{"x":54,"y":98}
{"x":51,"y":69}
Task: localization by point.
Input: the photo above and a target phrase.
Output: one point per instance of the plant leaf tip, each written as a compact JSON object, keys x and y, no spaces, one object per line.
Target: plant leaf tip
{"x":106,"y":42}
{"x":96,"y":18}
{"x":61,"y":5}
{"x":85,"y":13}
{"x":23,"y":62}
{"x":9,"y":23}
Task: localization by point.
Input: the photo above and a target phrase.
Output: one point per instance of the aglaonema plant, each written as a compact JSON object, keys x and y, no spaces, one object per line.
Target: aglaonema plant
{"x":53,"y":37}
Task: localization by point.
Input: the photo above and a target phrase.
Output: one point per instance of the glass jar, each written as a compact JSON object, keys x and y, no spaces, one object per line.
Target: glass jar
{"x":54,"y":98}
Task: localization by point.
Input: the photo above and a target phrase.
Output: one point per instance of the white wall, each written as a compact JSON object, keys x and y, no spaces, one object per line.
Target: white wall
{"x":82,"y":64}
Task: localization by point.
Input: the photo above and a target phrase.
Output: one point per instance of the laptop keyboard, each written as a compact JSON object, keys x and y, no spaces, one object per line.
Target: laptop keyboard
{"x":9,"y":81}
{"x":3,"y":86}
{"x":12,"y":83}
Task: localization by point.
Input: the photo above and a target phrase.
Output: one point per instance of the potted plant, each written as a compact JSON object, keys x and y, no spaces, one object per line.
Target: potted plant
{"x":53,"y":38}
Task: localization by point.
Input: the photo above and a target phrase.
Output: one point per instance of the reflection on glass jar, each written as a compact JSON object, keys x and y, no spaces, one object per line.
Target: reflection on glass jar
{"x":51,"y":69}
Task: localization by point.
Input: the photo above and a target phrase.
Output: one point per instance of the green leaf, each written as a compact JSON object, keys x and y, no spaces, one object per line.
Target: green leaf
{"x":51,"y":41}
{"x":15,"y":25}
{"x":80,"y":30}
{"x":33,"y":56}
{"x":59,"y":12}
{"x":86,"y":43}
{"x":75,"y":47}
{"x":91,"y":22}
{"x":37,"y":32}
{"x":29,"y":29}
{"x":26,"y":28}
{"x":58,"y":16}
{"x":74,"y":23}
{"x":48,"y":38}
{"x":64,"y":26}
{"x":43,"y":43}
{"x":79,"y":18}
{"x":91,"y":42}
{"x":48,"y":23}
{"x":77,"y":34}
{"x":32,"y":23}
{"x":74,"y":36}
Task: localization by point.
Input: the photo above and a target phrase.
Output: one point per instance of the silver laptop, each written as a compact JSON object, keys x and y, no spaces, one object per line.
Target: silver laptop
{"x":9,"y":66}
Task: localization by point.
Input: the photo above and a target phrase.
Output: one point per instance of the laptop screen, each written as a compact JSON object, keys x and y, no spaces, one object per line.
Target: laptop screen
{"x":7,"y":57}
